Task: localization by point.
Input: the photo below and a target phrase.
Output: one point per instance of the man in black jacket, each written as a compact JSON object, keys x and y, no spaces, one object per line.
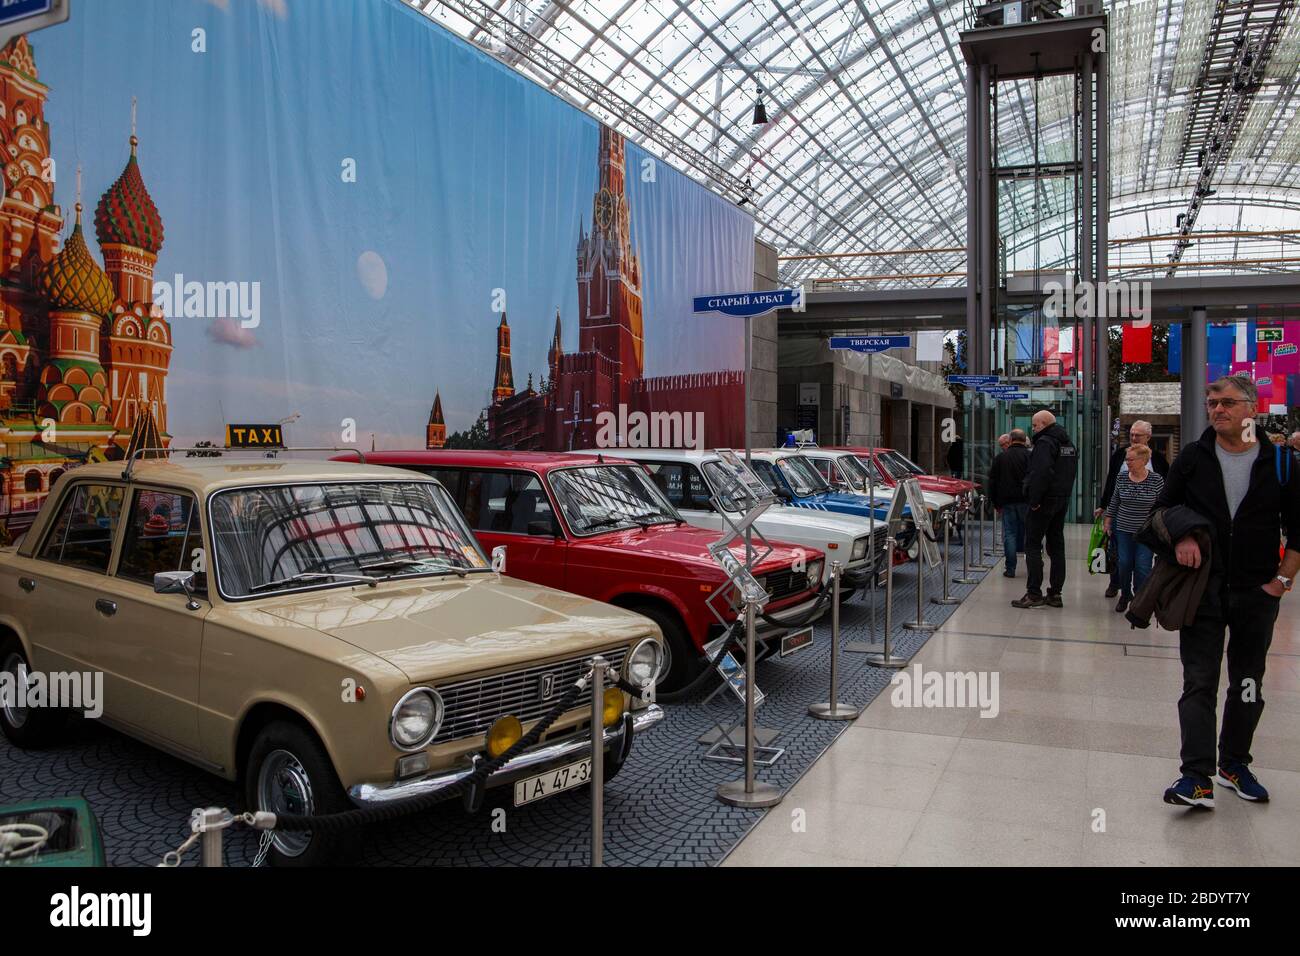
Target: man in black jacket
{"x":1007,"y":490}
{"x":1139,"y":433}
{"x":1048,"y":484}
{"x":1239,"y":484}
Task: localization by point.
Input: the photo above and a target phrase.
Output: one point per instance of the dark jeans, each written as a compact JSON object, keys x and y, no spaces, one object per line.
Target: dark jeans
{"x":1134,"y":562}
{"x":1248,"y":614}
{"x":1014,"y":520}
{"x":1048,"y":521}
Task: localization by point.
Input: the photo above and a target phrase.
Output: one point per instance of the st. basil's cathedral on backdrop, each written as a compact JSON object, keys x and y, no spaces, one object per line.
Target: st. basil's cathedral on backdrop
{"x":84,"y":350}
{"x":608,"y":369}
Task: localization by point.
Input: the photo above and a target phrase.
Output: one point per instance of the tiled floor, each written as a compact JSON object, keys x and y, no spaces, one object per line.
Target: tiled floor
{"x":1070,"y":770}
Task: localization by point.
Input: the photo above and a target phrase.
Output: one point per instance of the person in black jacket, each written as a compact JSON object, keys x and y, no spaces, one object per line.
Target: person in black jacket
{"x":956,"y":456}
{"x":1007,"y":490}
{"x":1048,"y":484}
{"x":1139,"y":433}
{"x":1245,"y":489}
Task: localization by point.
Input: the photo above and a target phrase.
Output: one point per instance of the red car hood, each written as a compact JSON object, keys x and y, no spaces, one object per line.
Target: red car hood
{"x":685,"y":544}
{"x":949,"y":486}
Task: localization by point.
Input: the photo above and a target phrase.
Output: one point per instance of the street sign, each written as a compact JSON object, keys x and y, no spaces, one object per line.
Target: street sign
{"x":747,"y":303}
{"x":1011,"y":396}
{"x":990,"y":389}
{"x":972,"y":380}
{"x":26,"y":16}
{"x":871,"y":343}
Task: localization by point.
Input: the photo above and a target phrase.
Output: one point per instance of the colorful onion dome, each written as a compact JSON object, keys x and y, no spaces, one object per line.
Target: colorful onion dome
{"x":73,"y":280}
{"x":126,"y":213}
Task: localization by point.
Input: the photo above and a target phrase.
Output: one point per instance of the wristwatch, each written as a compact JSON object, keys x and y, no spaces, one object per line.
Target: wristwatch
{"x":1286,"y":582}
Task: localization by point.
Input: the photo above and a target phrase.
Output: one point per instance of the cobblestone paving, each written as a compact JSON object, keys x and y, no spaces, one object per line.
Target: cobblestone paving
{"x":661,"y":810}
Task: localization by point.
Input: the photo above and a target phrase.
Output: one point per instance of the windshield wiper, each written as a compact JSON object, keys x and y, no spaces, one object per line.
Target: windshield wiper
{"x":307,"y":575}
{"x":408,"y":562}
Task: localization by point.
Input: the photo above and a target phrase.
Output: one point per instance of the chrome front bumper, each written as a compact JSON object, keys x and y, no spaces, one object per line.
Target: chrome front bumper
{"x":634,"y":722}
{"x":798,"y":612}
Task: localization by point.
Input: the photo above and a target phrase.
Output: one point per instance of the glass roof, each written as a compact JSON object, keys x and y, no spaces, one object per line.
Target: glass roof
{"x":864,"y":153}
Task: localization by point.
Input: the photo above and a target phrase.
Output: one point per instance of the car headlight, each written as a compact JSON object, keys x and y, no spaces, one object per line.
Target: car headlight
{"x":859,"y":549}
{"x":814,"y":573}
{"x":416,"y":719}
{"x":642,"y":667}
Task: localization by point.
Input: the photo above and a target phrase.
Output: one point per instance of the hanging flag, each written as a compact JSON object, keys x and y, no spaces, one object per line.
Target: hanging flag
{"x":1136,"y":343}
{"x":1219,"y":347}
{"x":1245,"y":341}
{"x":1279,"y":401}
{"x":1286,"y":354}
{"x":1175,"y":364}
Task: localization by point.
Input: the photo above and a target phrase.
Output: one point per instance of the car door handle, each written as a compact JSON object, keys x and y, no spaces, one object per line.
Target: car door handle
{"x":27,"y":584}
{"x":106,"y":607}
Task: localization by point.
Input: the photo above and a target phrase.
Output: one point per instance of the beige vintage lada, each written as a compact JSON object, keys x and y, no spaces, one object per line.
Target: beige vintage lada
{"x":330,"y":634}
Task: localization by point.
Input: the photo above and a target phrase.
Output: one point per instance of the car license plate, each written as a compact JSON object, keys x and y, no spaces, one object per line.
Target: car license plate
{"x":553,"y":781}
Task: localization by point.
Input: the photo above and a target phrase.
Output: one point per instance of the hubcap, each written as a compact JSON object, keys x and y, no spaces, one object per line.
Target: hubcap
{"x":16,"y":667}
{"x":283,"y":787}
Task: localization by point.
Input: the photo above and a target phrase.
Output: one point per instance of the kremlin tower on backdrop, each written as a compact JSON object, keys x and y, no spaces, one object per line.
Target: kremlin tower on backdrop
{"x":608,"y":369}
{"x":84,"y":351}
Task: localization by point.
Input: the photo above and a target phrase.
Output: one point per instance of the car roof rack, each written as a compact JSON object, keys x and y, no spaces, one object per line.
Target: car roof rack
{"x":210,"y":451}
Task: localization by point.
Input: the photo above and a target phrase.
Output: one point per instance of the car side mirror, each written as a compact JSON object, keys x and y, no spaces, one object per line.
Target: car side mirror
{"x":499,"y":559}
{"x":177,"y":582}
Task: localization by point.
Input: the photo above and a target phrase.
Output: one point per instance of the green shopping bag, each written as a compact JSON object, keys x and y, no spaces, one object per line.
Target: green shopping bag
{"x":1098,"y":539}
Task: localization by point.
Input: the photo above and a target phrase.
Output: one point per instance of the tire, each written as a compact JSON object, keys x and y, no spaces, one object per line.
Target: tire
{"x":284,"y":756}
{"x":27,"y":728}
{"x":685,"y":660}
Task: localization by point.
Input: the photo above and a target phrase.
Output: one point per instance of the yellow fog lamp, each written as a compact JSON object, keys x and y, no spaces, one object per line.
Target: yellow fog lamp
{"x":613,"y":712}
{"x":503,"y":734}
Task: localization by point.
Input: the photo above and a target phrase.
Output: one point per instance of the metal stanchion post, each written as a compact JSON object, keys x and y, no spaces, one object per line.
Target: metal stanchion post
{"x":833,"y":709}
{"x":947,"y":545}
{"x":920,"y":624}
{"x":978,"y":564}
{"x":598,"y":667}
{"x":885,"y":658}
{"x":748,"y":792}
{"x":210,"y":842}
{"x":965,"y":548}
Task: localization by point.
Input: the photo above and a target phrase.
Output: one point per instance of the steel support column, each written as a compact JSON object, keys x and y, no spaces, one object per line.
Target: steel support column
{"x":1193,"y":377}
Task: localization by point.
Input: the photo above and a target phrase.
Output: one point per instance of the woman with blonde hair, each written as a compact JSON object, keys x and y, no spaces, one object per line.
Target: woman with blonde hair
{"x":1136,"y":491}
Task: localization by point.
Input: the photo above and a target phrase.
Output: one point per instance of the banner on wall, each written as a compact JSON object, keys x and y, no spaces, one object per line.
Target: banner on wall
{"x":342,"y":212}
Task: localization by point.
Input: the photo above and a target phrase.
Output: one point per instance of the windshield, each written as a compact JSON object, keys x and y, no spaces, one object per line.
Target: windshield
{"x":290,"y":537}
{"x":896,"y":469}
{"x":852,"y":471}
{"x":609,"y":497}
{"x":802,"y":475}
{"x":903,"y":461}
{"x":873,"y":469}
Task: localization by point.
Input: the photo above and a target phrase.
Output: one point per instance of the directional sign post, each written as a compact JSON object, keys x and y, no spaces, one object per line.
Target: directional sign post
{"x":870,"y":343}
{"x":748,"y":304}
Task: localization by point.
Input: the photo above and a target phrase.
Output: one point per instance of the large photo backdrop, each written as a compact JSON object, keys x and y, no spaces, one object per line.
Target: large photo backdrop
{"x":250,"y":210}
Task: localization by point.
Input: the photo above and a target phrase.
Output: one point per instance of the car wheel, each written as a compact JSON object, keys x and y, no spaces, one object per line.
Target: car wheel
{"x":684,"y":660}
{"x":289,"y":772}
{"x":26,"y":727}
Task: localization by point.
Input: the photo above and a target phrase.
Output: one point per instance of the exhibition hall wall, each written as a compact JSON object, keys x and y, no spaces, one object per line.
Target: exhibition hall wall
{"x":354,"y":217}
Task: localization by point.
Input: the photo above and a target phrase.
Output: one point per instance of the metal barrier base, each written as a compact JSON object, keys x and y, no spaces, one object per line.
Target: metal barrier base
{"x":945,"y":600}
{"x":834,"y":711}
{"x":892,"y":661}
{"x":966,"y":580}
{"x":763,"y":795}
{"x":920,"y":626}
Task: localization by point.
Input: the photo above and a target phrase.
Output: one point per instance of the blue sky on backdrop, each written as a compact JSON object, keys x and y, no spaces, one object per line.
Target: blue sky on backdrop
{"x":372,"y":293}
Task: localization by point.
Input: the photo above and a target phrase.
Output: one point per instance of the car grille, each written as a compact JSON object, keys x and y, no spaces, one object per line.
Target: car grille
{"x":471,"y":706}
{"x":783,"y":584}
{"x":878,"y":536}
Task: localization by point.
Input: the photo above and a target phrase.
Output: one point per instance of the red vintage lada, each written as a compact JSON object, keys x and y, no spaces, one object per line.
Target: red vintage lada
{"x":602,"y":529}
{"x":892,"y":467}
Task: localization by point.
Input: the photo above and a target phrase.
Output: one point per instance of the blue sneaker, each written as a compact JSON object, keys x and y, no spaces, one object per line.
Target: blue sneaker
{"x":1191,"y":791}
{"x":1237,"y":776}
